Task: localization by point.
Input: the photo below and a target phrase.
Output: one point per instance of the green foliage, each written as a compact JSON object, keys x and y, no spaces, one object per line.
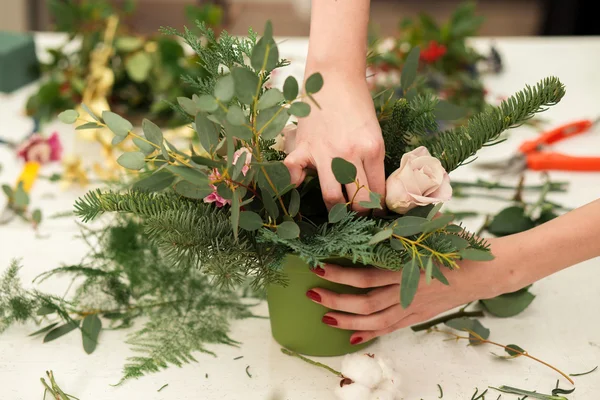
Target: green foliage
{"x":146,"y":69}
{"x":510,"y":304}
{"x":471,"y":326}
{"x":126,"y":277}
{"x":259,"y":215}
{"x":453,"y":147}
{"x":453,"y":71}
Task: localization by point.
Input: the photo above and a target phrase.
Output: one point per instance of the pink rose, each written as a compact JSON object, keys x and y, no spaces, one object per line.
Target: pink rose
{"x":214,"y":197}
{"x":37,"y":148}
{"x":247,"y":161}
{"x":420,"y":180}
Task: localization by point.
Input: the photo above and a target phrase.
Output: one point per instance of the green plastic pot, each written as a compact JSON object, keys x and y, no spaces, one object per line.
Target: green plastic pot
{"x":296,"y":320}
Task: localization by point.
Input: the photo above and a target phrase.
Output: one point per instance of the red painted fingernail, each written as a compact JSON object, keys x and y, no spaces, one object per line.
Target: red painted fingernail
{"x":356,"y":340}
{"x":314,"y":296}
{"x":329,"y":320}
{"x":319,"y":271}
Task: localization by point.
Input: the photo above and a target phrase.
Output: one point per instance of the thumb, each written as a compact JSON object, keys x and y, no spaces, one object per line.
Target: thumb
{"x":297,"y":162}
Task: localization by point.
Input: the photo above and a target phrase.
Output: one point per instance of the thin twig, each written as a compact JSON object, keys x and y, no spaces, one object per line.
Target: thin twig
{"x":482,"y":340}
{"x":308,"y":360}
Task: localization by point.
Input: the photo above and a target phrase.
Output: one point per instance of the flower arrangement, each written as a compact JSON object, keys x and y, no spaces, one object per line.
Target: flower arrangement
{"x":449,"y":67}
{"x":232,"y":211}
{"x":139,"y":74}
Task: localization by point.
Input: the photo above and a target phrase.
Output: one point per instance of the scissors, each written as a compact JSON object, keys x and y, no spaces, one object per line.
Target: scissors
{"x":531,"y":155}
{"x":28,"y":176}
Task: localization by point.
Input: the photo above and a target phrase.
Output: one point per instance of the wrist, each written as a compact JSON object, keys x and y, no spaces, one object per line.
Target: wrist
{"x":508,"y":270}
{"x":488,"y":279}
{"x":333,"y":70}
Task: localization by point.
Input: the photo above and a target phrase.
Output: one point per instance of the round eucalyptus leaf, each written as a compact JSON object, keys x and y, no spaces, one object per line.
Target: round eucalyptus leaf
{"x":300,"y":109}
{"x":68,"y":116}
{"x":133,"y":160}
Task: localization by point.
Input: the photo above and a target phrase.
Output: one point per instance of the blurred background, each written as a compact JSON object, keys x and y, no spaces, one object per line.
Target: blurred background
{"x":503,"y":17}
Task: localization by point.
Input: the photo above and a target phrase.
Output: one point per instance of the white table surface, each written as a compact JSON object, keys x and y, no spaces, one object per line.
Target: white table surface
{"x":561,"y":326}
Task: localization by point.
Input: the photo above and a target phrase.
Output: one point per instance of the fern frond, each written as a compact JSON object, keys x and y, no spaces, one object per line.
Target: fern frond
{"x":173,"y":334}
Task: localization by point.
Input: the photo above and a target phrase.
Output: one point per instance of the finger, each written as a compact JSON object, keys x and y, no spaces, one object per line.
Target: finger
{"x":374,"y":322}
{"x":364,"y":336}
{"x":331,"y":189}
{"x":375,"y":171}
{"x":359,"y":193}
{"x":364,"y":304}
{"x":358,"y":277}
{"x":297,"y":162}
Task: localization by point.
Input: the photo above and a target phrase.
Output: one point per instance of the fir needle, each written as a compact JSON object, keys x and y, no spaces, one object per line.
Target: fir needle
{"x":585,"y":373}
{"x":162,"y":387}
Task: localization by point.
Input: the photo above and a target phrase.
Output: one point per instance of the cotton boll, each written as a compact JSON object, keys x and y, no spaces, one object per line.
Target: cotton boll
{"x":387,"y":367}
{"x":381,"y":394}
{"x":354,"y":391}
{"x":363,"y":369}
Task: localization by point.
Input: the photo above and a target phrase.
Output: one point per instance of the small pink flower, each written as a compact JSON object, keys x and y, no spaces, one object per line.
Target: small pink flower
{"x":214,"y":197}
{"x":247,"y":161}
{"x":37,"y":148}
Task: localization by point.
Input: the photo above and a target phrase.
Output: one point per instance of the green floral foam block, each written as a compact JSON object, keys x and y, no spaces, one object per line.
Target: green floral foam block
{"x":18,"y":61}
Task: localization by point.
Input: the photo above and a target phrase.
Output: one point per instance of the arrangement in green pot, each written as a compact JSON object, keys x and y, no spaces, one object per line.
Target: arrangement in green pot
{"x":233,"y":212}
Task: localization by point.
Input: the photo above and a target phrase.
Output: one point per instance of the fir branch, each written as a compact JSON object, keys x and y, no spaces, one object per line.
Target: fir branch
{"x":455,"y":146}
{"x":347,"y":239}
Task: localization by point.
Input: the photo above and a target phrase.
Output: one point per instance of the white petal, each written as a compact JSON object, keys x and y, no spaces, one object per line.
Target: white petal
{"x":444,"y":192}
{"x":424,"y":182}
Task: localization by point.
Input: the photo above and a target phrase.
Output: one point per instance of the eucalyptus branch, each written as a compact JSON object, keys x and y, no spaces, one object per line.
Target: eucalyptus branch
{"x":312,"y":362}
{"x":481,"y":340}
{"x":440,"y":320}
{"x":542,"y":199}
{"x":264,"y":171}
{"x":483,"y":184}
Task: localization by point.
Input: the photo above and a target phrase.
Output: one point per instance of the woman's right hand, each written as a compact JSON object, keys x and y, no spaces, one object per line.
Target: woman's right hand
{"x":345,"y":126}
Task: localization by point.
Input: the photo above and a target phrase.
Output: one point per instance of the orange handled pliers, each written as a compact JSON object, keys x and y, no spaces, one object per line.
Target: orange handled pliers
{"x":530,"y":154}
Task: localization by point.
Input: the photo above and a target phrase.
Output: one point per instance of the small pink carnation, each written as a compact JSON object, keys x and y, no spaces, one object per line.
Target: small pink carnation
{"x":214,"y":197}
{"x":39,"y":149}
{"x":247,"y":161}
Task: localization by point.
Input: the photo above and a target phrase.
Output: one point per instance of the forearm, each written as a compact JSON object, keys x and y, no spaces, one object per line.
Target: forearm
{"x":338,"y":37}
{"x":529,"y":256}
{"x":562,"y":242}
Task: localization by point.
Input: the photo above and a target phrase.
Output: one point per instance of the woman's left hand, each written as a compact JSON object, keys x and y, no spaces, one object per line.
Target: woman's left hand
{"x":379,"y":312}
